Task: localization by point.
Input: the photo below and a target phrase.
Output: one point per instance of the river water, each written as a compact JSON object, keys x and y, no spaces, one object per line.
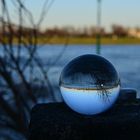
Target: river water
{"x":125,"y":58}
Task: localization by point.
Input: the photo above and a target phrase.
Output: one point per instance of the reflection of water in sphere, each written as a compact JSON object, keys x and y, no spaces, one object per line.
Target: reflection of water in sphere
{"x":89,"y":84}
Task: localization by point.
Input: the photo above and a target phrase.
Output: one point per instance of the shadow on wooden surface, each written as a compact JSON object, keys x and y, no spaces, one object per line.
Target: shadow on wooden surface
{"x":57,"y":121}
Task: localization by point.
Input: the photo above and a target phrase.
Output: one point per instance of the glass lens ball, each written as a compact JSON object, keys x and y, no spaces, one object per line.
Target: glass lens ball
{"x":89,"y":84}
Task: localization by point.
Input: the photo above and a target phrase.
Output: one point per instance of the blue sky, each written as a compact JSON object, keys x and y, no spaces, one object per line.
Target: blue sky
{"x":80,"y":13}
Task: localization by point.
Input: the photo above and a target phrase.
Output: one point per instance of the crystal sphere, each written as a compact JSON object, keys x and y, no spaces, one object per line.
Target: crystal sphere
{"x":89,"y":84}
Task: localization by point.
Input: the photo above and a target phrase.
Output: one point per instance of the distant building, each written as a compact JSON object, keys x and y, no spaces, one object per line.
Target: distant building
{"x":134,"y":32}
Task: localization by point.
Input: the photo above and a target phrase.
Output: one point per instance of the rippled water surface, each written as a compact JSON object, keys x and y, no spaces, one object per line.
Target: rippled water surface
{"x":125,"y":58}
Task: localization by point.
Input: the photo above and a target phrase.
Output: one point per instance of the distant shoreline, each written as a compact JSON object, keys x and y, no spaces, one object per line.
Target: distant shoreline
{"x":83,"y":41}
{"x":88,"y":40}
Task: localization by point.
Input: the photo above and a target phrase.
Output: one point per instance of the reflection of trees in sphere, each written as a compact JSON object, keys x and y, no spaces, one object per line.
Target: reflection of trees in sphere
{"x":89,"y":84}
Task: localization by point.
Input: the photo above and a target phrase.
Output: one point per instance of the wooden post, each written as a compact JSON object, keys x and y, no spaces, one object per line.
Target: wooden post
{"x":98,"y":33}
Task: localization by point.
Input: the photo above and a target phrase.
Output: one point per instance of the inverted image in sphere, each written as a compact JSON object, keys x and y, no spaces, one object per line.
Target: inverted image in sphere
{"x":89,"y":84}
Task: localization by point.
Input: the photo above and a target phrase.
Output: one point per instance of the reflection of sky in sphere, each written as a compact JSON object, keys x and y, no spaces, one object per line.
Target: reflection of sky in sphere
{"x":89,"y":84}
{"x":89,"y":101}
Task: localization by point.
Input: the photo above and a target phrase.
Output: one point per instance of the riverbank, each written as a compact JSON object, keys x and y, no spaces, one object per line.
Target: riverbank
{"x":80,"y":40}
{"x":87,"y":40}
